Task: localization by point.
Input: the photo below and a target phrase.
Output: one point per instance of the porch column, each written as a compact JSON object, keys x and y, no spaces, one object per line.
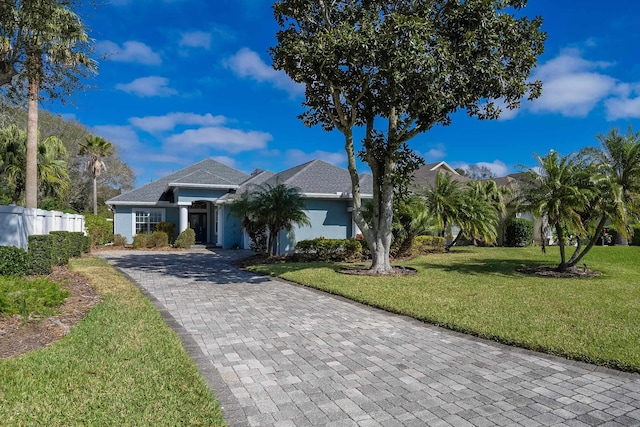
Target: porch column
{"x":220,"y":221}
{"x":184,"y":219}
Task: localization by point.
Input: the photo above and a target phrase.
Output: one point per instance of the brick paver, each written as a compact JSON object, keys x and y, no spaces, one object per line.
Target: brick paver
{"x":278,"y":354}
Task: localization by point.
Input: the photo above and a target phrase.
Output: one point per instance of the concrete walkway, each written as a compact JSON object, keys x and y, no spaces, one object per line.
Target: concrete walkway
{"x":277,"y":354}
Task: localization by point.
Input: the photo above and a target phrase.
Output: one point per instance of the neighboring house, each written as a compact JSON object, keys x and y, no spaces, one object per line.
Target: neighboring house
{"x":198,"y":197}
{"x":425,"y":176}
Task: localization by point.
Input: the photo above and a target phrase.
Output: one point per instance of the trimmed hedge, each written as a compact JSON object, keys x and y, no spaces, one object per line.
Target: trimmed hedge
{"x":169,"y":228}
{"x":78,"y":244}
{"x":41,"y":254}
{"x":186,"y":239}
{"x":427,"y":244}
{"x":329,"y":250}
{"x":518,"y":232}
{"x":140,"y":240}
{"x":61,"y":247}
{"x":158,"y":239}
{"x":100,"y":230}
{"x":635,"y":239}
{"x":13,"y":261}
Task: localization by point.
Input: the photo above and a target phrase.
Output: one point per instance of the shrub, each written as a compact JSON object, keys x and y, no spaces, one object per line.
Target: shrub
{"x":119,"y":240}
{"x":61,"y":247}
{"x":13,"y":261}
{"x":329,"y":249}
{"x":78,"y":244}
{"x":140,"y":240}
{"x":169,"y":228}
{"x":41,"y":254}
{"x":158,"y":239}
{"x":186,"y":239}
{"x":40,"y":296}
{"x":427,"y":244}
{"x":100,"y":230}
{"x":518,"y":232}
{"x":635,"y":239}
{"x":612,"y":237}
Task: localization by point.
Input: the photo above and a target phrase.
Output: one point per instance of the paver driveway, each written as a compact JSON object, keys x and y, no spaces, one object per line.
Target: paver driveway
{"x":278,"y":354}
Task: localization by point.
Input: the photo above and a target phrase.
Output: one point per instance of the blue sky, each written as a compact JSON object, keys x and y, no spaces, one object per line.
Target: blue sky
{"x":182,"y":80}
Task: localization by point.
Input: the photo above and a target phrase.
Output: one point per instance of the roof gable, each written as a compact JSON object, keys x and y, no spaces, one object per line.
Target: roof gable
{"x":204,"y":173}
{"x":320,"y":178}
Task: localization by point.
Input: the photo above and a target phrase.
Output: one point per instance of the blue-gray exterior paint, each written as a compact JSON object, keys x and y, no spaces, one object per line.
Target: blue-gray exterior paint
{"x":329,"y":218}
{"x":122,"y":220}
{"x":188,"y":195}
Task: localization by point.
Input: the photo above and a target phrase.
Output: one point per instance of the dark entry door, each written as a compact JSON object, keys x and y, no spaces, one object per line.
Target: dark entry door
{"x":198,"y":221}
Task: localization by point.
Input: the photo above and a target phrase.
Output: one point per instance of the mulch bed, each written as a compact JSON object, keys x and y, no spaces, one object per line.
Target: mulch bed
{"x":18,"y":337}
{"x":546,"y":271}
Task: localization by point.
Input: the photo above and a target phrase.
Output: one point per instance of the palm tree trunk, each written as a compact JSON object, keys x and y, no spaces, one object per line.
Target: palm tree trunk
{"x":454,"y":241}
{"x":31,"y":184}
{"x":563,"y":256}
{"x":596,"y":235}
{"x":95,"y":196}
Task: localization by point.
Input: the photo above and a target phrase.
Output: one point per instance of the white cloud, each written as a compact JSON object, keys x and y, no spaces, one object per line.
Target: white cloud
{"x":497,"y":167}
{"x":247,"y":63}
{"x":572,"y":86}
{"x":222,"y":138}
{"x":196,"y":39}
{"x":169,"y":121}
{"x":148,"y":87}
{"x":623,"y":108}
{"x":131,"y":51}
{"x":296,"y":157}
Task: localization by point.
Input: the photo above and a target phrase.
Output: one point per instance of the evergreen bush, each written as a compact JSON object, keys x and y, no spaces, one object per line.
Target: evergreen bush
{"x":169,"y":228}
{"x":518,"y":232}
{"x":100,"y":230}
{"x":140,"y":240}
{"x":322,"y":249}
{"x":13,"y":261}
{"x":427,"y":244}
{"x":158,"y":239}
{"x":635,"y":238}
{"x":41,"y":257}
{"x":186,"y":239}
{"x":119,"y":240}
{"x":61,"y":247}
{"x":78,"y":244}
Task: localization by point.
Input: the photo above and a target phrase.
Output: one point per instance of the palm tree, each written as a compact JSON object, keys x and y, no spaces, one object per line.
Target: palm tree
{"x":54,"y":41}
{"x":442,"y":200}
{"x":476,"y":217}
{"x":410,"y":219}
{"x":560,"y":188}
{"x":97,"y":149}
{"x":280,"y":207}
{"x":52,"y":171}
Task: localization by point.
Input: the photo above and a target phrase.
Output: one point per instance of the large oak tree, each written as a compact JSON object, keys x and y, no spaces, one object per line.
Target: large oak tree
{"x":396,"y":68}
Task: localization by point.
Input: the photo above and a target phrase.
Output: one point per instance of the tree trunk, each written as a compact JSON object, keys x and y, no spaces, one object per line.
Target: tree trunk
{"x":596,"y":235}
{"x":31,"y":181}
{"x":95,"y":196}
{"x":563,"y":257}
{"x":454,"y":241}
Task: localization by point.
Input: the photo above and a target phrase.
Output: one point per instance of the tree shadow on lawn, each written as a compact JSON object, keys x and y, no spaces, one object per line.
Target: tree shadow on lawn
{"x":494,"y":266}
{"x":200,"y":267}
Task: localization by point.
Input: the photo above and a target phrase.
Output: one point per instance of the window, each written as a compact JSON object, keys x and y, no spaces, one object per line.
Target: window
{"x":147,"y":220}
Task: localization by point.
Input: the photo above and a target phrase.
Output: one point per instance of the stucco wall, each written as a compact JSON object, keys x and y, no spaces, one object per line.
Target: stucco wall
{"x":122,"y":222}
{"x":329,"y":218}
{"x":194,"y":194}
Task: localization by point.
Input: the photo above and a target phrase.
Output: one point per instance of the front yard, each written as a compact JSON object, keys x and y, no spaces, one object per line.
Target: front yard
{"x":122,"y":365}
{"x":479,"y":291}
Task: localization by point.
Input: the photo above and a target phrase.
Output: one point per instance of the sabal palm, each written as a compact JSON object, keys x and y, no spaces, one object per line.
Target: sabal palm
{"x":55,"y":40}
{"x":52,"y":169}
{"x":97,"y":149}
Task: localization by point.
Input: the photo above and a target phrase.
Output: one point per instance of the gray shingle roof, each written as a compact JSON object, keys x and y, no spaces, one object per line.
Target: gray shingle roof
{"x":318,"y":177}
{"x":253,"y":180}
{"x":425,"y":176}
{"x":207,"y":172}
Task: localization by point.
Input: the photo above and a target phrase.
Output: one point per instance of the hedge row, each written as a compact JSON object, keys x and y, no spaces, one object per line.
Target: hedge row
{"x":427,"y":244}
{"x":322,"y":249}
{"x":45,"y":251}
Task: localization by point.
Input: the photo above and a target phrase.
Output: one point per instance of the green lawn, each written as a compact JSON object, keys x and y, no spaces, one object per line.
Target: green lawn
{"x":479,"y":291}
{"x":121,"y":366}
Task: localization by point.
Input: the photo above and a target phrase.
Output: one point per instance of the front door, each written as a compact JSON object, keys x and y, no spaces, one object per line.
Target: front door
{"x":198,"y":221}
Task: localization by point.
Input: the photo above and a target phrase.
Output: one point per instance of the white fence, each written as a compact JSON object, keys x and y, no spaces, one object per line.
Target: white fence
{"x":18,"y":223}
